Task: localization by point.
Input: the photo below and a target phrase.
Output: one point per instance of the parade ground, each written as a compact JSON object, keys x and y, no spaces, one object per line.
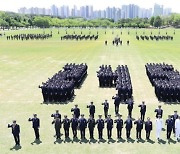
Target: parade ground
{"x":24,"y":65}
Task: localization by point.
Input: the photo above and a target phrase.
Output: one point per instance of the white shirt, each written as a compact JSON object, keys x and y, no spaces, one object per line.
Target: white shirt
{"x":159,"y":124}
{"x":177,"y":124}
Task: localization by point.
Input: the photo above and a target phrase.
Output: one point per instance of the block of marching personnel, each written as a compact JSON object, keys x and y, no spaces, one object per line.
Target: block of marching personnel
{"x":61,"y":86}
{"x":120,"y":79}
{"x":166,"y":81}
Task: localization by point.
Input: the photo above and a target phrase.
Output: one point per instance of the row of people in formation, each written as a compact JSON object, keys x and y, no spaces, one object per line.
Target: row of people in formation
{"x":173,"y":124}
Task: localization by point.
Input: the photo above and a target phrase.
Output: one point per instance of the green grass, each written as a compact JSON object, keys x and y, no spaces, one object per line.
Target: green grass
{"x":24,"y":65}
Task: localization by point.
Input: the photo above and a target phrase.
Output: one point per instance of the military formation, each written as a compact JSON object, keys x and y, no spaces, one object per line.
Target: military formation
{"x":120,"y":79}
{"x":78,"y":122}
{"x":166,"y":81}
{"x":61,"y":86}
{"x":154,"y":37}
{"x":79,"y":37}
{"x":26,"y":37}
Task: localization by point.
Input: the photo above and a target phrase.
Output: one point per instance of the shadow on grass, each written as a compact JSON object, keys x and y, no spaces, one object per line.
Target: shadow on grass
{"x":92,"y":141}
{"x":130,"y":140}
{"x":58,"y":141}
{"x":62,"y":102}
{"x":84,"y":141}
{"x":111,"y":141}
{"x":171,"y":141}
{"x":37,"y":142}
{"x":16,"y":147}
{"x":67,"y":140}
{"x":150,"y":141}
{"x":141,"y":141}
{"x":161,"y":141}
{"x":101,"y":141}
{"x":121,"y":140}
{"x":75,"y":140}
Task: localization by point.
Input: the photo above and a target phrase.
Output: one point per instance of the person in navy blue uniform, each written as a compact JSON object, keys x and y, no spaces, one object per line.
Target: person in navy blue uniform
{"x":130,"y":107}
{"x":142,"y":110}
{"x":170,"y":124}
{"x":106,"y":108}
{"x":56,"y":115}
{"x":66,"y":125}
{"x":174,"y":117}
{"x":100,"y":126}
{"x":128,"y":127}
{"x":35,"y":125}
{"x":91,"y":125}
{"x":159,"y":111}
{"x":119,"y":126}
{"x":139,"y":127}
{"x":109,"y":122}
{"x":91,"y":109}
{"x":15,"y":131}
{"x":74,"y":125}
{"x":117,"y":101}
{"x":57,"y":126}
{"x":76,"y":111}
{"x":82,"y":126}
{"x":148,"y":128}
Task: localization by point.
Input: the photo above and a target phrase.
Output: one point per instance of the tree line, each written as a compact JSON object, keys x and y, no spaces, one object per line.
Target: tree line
{"x":9,"y":19}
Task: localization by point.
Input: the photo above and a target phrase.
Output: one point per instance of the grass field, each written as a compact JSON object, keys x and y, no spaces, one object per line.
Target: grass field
{"x":24,"y":65}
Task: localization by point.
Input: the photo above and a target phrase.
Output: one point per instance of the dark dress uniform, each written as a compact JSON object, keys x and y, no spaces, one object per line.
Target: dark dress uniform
{"x":82,"y":127}
{"x":66,"y":125}
{"x":117,"y":101}
{"x":76,"y":112}
{"x":35,"y":125}
{"x":142,"y":111}
{"x":57,"y":126}
{"x":91,"y":109}
{"x":139,"y":127}
{"x":109,"y":127}
{"x":74,"y":125}
{"x":106,"y":108}
{"x":159,"y":112}
{"x":170,"y":124}
{"x":130,"y":108}
{"x":91,"y":125}
{"x":128,"y":123}
{"x":15,"y":132}
{"x":119,"y":126}
{"x":100,"y":126}
{"x":56,"y":115}
{"x":148,"y":128}
{"x":174,"y":117}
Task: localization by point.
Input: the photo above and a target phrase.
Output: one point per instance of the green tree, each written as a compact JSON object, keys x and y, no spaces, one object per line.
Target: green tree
{"x":158,"y":21}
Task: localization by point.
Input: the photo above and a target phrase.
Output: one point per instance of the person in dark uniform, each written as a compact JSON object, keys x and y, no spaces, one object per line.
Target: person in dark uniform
{"x":74,"y":125}
{"x":170,"y":124}
{"x":109,"y":122}
{"x":106,"y":42}
{"x":142,"y":110}
{"x":91,"y":109}
{"x":91,"y":125}
{"x":56,"y":115}
{"x":57,"y":126}
{"x":130,"y":107}
{"x":106,"y":108}
{"x":82,"y":126}
{"x":15,"y":131}
{"x":100,"y":126}
{"x":76,"y":111}
{"x":139,"y":127}
{"x":174,"y":117}
{"x":128,"y":127}
{"x":159,"y":111}
{"x":35,"y":125}
{"x":117,"y":101}
{"x":148,"y":128}
{"x":119,"y":126}
{"x":66,"y":125}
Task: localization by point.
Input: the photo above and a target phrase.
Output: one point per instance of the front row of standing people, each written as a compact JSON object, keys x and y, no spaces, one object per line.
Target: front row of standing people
{"x":81,"y":124}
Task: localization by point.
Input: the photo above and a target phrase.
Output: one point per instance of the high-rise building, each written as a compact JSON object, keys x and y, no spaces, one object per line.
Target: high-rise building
{"x":54,"y":10}
{"x":167,"y":11}
{"x":158,"y":10}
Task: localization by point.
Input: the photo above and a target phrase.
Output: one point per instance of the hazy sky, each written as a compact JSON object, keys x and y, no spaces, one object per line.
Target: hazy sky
{"x":14,"y":5}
